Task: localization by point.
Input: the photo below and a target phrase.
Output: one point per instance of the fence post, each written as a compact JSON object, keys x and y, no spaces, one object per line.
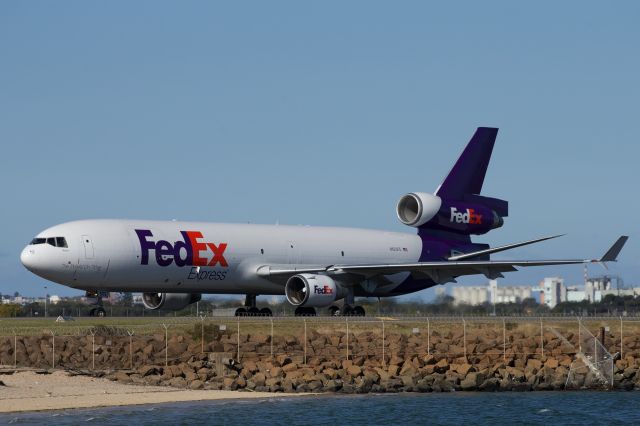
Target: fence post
{"x":130,"y":333}
{"x":53,"y":349}
{"x":238,"y":355}
{"x":347,"y":321}
{"x":166,"y":345}
{"x":93,"y":349}
{"x":305,"y":341}
{"x":271,"y":319}
{"x":541,"y":337}
{"x":383,"y":358}
{"x":428,"y":337}
{"x":621,"y":337}
{"x":202,"y":333}
{"x":504,"y":340}
{"x":15,"y":349}
{"x":464,"y":337}
{"x":579,"y":335}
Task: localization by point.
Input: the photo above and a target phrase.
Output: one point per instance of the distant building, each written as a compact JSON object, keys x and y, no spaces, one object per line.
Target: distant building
{"x":491,"y":293}
{"x":55,"y":299}
{"x":553,"y":291}
{"x":470,"y":295}
{"x":508,"y":294}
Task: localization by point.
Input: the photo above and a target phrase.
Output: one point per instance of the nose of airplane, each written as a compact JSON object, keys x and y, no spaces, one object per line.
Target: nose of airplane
{"x":27,"y":257}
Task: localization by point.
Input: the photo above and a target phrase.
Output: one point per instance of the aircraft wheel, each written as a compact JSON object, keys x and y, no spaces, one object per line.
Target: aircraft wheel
{"x":358,"y":311}
{"x":253,"y":312}
{"x":305,"y":312}
{"x":241,"y":312}
{"x":347,"y":310}
{"x":100,"y":312}
{"x":334,"y":311}
{"x":92,"y":312}
{"x":266,"y":312}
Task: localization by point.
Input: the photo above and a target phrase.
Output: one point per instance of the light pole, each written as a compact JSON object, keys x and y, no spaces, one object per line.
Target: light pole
{"x":45,"y":301}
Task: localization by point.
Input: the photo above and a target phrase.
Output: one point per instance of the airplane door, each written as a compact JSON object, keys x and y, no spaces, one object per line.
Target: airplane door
{"x":88,"y":247}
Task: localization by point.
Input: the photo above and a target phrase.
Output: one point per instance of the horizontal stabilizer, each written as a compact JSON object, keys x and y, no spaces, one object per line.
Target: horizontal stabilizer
{"x":612,"y":254}
{"x":501,"y":248}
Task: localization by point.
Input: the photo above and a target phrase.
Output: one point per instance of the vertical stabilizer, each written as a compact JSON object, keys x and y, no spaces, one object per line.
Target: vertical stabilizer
{"x":467,"y":175}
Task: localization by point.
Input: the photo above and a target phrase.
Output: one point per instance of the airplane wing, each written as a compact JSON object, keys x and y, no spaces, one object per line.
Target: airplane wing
{"x":439,"y":271}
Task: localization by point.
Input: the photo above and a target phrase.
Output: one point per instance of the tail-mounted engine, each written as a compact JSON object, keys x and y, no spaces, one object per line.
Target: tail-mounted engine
{"x":474,"y":214}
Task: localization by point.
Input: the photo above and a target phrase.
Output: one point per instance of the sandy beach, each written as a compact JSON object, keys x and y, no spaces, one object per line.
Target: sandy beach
{"x":29,"y":391}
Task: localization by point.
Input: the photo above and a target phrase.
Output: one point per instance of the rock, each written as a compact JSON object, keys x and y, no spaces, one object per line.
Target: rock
{"x":441,"y":366}
{"x":333,"y":385}
{"x":442,"y":385}
{"x":147,"y":370}
{"x":290,"y":367}
{"x":535,"y":364}
{"x":122,"y":377}
{"x":423,"y":386}
{"x":190,"y":376}
{"x":490,"y":385}
{"x":472,"y":381}
{"x":629,"y":372}
{"x":177,"y":382}
{"x":272,"y":381}
{"x":196,"y":384}
{"x":392,"y":384}
{"x":354,"y":371}
{"x":462,"y":369}
{"x":552,"y":363}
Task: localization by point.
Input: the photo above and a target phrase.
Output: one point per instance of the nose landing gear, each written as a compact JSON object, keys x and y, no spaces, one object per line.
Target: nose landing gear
{"x":95,"y":298}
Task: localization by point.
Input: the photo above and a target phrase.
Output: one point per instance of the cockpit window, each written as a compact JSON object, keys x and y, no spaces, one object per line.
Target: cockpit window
{"x":52,"y":241}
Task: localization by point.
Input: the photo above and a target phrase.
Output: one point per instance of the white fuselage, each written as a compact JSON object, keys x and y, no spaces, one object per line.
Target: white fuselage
{"x":110,"y":255}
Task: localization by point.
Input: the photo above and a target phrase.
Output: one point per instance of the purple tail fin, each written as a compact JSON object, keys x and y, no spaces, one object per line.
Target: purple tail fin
{"x":467,"y":175}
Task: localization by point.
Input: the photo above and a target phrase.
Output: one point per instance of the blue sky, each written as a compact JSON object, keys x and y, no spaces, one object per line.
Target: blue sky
{"x":320,"y":113}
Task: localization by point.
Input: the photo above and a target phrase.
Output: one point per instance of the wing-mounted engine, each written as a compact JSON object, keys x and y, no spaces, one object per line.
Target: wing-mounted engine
{"x":313,"y":290}
{"x":169,"y":301}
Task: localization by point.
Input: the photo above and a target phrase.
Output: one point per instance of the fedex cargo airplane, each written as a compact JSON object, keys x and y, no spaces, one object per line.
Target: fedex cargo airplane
{"x":173,"y":263}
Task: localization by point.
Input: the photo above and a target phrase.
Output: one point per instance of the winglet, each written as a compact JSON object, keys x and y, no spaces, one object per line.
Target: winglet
{"x":612,"y":254}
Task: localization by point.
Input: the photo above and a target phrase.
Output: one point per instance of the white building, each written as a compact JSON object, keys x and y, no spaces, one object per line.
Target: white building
{"x":492,"y":293}
{"x":470,"y":295}
{"x":553,"y":291}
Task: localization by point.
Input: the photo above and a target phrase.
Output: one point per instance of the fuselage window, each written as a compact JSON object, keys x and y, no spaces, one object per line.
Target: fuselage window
{"x":61,"y":242}
{"x":51,"y":241}
{"x":261,"y":251}
{"x":38,"y":241}
{"x":342,"y":253}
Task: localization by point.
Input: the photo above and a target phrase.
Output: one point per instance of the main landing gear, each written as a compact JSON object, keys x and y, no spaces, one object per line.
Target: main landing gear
{"x":305,"y":312}
{"x":346,"y":311}
{"x":98,"y":311}
{"x":348,"y":308}
{"x":251,"y":310}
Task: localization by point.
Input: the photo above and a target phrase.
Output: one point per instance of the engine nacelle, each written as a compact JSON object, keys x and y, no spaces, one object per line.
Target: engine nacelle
{"x":418,"y":208}
{"x":312,"y":290}
{"x":169,"y":301}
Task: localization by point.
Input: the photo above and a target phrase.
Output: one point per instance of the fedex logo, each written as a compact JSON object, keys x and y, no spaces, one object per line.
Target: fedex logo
{"x":189,"y":252}
{"x":322,"y":290}
{"x":470,"y":217}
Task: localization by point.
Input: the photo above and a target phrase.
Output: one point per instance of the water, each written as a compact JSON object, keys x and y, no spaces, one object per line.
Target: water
{"x":533,"y":408}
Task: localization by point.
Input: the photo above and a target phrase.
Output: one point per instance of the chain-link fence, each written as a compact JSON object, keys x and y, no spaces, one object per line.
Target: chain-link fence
{"x":480,"y":342}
